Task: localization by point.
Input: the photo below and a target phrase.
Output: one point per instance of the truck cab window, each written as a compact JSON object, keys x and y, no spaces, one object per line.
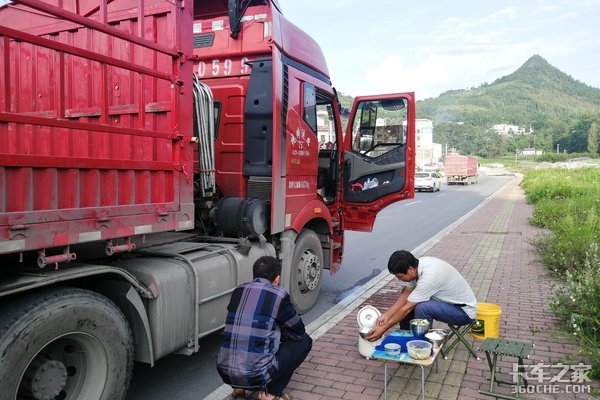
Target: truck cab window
{"x":310,"y":106}
{"x":217,"y":117}
{"x":327,"y":132}
{"x":379,"y":126}
{"x":326,"y":129}
{"x":318,"y":115}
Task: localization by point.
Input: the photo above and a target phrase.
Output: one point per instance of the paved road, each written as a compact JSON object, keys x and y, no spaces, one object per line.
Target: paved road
{"x":403,"y":225}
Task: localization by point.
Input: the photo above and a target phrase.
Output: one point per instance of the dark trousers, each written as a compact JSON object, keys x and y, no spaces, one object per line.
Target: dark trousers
{"x":290,"y":355}
{"x":438,"y":310}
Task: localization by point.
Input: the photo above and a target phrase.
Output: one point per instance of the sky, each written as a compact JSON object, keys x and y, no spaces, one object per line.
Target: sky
{"x":431,"y":46}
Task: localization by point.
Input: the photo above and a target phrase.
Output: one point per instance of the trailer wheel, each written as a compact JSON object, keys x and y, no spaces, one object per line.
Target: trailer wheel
{"x":307,"y":271}
{"x":64,"y":344}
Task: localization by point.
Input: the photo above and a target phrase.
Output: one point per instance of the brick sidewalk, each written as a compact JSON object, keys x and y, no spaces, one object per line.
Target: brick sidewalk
{"x":492,"y":250}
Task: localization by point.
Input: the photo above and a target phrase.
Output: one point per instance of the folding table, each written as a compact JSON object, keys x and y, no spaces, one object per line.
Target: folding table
{"x":404,"y":358}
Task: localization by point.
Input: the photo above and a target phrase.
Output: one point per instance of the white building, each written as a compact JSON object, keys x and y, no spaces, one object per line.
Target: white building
{"x":506,"y":129}
{"x":325,"y":127}
{"x":427,"y":152}
{"x":531,"y":152}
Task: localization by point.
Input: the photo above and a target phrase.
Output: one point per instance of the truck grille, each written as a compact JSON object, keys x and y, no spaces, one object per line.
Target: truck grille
{"x":259,"y":187}
{"x":204,"y":40}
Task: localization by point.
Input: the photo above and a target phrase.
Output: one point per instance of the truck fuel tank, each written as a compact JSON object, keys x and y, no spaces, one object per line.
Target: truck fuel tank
{"x":241,"y":217}
{"x":194,"y":282}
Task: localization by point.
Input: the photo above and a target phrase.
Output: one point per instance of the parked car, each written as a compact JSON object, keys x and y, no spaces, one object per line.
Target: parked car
{"x":431,"y":181}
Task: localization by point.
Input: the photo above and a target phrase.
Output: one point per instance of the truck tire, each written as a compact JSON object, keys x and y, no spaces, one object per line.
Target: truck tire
{"x":307,"y":271}
{"x":64,"y":344}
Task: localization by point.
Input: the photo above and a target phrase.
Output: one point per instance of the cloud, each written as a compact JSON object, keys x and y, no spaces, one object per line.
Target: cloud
{"x":545,"y":9}
{"x":461,"y":25}
{"x":430,"y":51}
{"x":427,"y":79}
{"x":439,"y":73}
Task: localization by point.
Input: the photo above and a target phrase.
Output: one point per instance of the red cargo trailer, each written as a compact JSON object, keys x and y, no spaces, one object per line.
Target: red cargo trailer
{"x":461,"y":169}
{"x":95,"y":123}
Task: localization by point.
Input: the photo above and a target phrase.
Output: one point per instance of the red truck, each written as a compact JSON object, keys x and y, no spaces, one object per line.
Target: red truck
{"x":150,"y":152}
{"x":461,"y":169}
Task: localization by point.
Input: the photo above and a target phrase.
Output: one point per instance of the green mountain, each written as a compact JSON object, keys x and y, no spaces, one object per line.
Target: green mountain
{"x":562,"y":113}
{"x":345,"y":100}
{"x":533,"y":95}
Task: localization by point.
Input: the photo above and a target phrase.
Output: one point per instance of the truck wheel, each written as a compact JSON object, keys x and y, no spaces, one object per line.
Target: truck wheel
{"x":64,"y":344}
{"x":307,"y":271}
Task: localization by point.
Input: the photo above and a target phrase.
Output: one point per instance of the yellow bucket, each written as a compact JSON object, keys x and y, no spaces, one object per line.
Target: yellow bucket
{"x":487,"y":321}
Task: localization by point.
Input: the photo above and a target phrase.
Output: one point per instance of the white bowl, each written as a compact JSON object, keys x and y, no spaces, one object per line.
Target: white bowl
{"x":392,"y":349}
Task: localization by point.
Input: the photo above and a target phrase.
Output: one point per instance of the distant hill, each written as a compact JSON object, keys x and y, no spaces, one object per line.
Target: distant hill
{"x":560,"y":110}
{"x":534,"y":94}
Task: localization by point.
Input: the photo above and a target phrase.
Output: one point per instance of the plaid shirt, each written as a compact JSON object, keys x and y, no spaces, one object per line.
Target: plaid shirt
{"x":257,"y":313}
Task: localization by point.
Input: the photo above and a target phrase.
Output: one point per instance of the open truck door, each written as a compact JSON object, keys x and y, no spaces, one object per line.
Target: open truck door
{"x":379,"y":148}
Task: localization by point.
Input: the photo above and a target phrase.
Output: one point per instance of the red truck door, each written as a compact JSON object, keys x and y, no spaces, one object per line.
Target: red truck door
{"x":379,"y":157}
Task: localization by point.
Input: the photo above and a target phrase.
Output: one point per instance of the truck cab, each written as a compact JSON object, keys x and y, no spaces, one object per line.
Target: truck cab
{"x":280,"y":136}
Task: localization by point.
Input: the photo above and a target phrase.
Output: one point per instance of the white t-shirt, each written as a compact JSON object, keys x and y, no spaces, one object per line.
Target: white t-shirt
{"x":440,"y":281}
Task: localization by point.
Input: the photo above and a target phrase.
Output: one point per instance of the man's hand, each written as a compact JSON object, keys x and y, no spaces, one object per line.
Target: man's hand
{"x":382,"y":320}
{"x":377,"y":333}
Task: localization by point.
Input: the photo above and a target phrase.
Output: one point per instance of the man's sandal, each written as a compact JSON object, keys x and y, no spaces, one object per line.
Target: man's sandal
{"x":283,"y":397}
{"x":239,"y":394}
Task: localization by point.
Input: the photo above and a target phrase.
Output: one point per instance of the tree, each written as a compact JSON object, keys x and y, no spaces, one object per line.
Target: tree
{"x":578,"y":139}
{"x":592,"y":138}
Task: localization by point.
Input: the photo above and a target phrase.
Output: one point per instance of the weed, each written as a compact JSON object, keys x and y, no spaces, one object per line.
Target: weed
{"x":567,"y":203}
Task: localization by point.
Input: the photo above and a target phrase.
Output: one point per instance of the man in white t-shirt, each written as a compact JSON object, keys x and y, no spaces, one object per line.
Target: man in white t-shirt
{"x":435,"y":290}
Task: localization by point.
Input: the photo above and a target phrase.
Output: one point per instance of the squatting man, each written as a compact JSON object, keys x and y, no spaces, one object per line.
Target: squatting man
{"x":435,"y":290}
{"x":264,"y":339}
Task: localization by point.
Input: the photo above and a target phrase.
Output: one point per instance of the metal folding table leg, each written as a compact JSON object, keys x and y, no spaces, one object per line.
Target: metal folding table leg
{"x":422,"y":382}
{"x":385,"y":380}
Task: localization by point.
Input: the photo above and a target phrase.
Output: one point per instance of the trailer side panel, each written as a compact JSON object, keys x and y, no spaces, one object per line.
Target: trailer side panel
{"x":93,"y":117}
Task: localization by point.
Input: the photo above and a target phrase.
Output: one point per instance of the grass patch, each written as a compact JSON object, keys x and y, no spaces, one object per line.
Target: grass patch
{"x":567,"y":202}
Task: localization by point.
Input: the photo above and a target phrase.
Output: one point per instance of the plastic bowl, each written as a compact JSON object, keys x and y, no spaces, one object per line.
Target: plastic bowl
{"x":392,"y":349}
{"x":419,"y":349}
